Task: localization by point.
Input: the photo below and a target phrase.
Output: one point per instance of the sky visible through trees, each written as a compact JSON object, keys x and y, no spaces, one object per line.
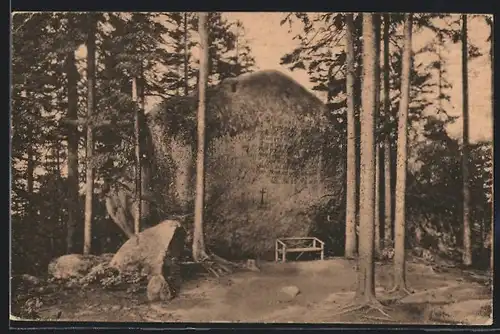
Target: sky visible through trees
{"x":269,"y":42}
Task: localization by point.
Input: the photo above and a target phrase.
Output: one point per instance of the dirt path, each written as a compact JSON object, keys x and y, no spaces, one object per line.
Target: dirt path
{"x":324,"y":286}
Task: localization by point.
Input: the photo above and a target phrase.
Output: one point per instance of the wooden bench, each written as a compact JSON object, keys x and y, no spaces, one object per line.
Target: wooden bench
{"x":298,"y":245}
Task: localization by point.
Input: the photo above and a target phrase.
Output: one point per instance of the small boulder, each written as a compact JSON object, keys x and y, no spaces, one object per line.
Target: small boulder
{"x":158,"y":289}
{"x":71,"y":266}
{"x":30,"y":280}
{"x":288,"y":292}
{"x":252,"y":265}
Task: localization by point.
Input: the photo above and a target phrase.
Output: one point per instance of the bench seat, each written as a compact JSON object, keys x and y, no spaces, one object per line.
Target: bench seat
{"x":305,"y":249}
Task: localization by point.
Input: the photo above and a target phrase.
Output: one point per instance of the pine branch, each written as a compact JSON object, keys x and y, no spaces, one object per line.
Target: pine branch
{"x":94,"y":124}
{"x":24,"y":23}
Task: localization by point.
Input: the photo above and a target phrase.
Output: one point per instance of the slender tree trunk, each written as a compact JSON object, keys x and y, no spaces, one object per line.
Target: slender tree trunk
{"x":467,"y":254}
{"x":199,"y":251}
{"x":387,"y":140}
{"x":350,"y":230}
{"x":30,"y":175}
{"x":492,"y":227}
{"x":145,"y":168}
{"x":440,"y":77}
{"x":366,"y":284}
{"x":186,"y":55}
{"x":239,"y":66}
{"x":30,"y":168}
{"x":400,"y":213}
{"x":73,"y":139}
{"x":376,"y":21}
{"x":191,"y":166}
{"x":138,"y":201}
{"x":377,"y":245}
{"x":57,"y":171}
{"x":91,"y":60}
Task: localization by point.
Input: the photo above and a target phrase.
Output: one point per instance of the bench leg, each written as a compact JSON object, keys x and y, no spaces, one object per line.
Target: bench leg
{"x":276,"y":252}
{"x":284,"y":255}
{"x":322,"y":253}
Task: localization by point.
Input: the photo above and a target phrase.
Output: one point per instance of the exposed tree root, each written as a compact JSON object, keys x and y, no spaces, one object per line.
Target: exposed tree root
{"x":217,"y":265}
{"x":370,"y":317}
{"x":367,"y":305}
{"x":401,"y":290}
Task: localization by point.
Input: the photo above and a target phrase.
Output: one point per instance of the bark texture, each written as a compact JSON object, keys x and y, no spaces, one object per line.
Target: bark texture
{"x":199,"y":251}
{"x":366,"y":286}
{"x":350,"y":231}
{"x":73,"y":137}
{"x":467,"y":242}
{"x":89,"y":191}
{"x":400,"y":207}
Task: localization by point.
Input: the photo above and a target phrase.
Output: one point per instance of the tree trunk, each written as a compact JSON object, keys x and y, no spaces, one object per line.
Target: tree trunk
{"x":199,"y":251}
{"x":492,"y":227}
{"x":376,"y":224}
{"x":30,"y":208}
{"x":400,"y":213}
{"x":57,"y":146}
{"x":467,"y":253}
{"x":73,"y":139}
{"x":387,"y":140}
{"x":89,"y":192}
{"x":30,"y":168}
{"x":350,"y":230}
{"x":138,"y":201}
{"x":186,"y":55}
{"x":376,"y":21}
{"x":440,"y":76}
{"x":145,"y":167}
{"x":366,"y":284}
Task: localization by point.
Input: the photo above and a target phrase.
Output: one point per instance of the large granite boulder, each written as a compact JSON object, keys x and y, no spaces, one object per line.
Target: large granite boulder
{"x":152,"y":251}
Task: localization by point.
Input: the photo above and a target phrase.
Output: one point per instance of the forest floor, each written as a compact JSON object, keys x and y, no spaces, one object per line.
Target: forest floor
{"x":441,"y":296}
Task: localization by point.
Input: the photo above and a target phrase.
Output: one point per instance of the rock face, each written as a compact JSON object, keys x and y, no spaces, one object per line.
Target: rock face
{"x":152,"y":250}
{"x":266,"y":151}
{"x":75,"y":265}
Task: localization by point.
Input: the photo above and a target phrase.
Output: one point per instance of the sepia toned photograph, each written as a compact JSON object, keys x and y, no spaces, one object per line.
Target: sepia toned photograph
{"x":255,"y":167}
